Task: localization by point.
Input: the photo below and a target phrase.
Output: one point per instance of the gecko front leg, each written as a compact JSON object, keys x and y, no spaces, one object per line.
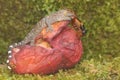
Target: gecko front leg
{"x":47,"y":21}
{"x":49,"y":24}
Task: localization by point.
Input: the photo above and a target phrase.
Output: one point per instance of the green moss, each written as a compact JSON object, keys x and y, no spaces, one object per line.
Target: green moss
{"x":101,"y":44}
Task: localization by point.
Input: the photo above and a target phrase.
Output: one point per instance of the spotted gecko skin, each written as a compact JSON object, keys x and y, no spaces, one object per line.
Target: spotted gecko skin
{"x":45,"y":22}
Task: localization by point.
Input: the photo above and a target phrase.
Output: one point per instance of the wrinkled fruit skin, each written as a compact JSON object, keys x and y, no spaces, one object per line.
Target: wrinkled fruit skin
{"x":64,"y":53}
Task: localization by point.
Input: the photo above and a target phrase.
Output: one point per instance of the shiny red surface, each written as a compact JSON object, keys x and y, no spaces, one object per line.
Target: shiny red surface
{"x":64,"y":52}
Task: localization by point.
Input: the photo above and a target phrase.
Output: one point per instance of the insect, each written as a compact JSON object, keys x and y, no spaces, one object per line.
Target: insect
{"x":79,"y":27}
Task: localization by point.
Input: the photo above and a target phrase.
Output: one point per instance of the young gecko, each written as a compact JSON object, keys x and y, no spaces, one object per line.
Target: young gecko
{"x":44,"y":22}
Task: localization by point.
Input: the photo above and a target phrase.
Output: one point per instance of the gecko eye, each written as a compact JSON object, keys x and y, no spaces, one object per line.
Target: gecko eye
{"x":83,"y":29}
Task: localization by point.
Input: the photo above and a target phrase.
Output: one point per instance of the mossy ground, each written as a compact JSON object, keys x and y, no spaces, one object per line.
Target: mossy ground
{"x":101,"y":58}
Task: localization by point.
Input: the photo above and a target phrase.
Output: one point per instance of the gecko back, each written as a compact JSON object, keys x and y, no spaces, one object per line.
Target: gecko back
{"x":47,"y":21}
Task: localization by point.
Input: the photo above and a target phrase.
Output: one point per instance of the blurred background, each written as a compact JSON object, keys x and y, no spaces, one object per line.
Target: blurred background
{"x":101,"y":18}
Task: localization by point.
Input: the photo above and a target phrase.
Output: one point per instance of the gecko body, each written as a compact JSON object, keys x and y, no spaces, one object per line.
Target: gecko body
{"x":44,"y":22}
{"x":47,"y":21}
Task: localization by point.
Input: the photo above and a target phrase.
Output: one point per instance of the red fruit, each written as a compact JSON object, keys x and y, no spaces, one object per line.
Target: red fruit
{"x":60,"y":49}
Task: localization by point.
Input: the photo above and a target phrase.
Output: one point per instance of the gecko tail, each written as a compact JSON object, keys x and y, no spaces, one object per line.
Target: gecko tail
{"x":10,"y":52}
{"x":13,"y":46}
{"x":9,"y":56}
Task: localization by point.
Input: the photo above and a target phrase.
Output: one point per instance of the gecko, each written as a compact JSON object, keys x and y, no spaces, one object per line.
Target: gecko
{"x":47,"y":21}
